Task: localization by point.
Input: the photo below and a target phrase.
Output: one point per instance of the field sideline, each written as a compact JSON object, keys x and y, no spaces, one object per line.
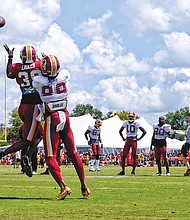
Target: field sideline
{"x":143,"y":196}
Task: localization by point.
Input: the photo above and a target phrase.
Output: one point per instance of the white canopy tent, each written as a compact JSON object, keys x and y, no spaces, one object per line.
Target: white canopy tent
{"x":110,"y":133}
{"x":79,"y":125}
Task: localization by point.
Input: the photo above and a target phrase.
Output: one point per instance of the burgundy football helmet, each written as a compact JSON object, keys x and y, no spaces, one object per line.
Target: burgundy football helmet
{"x":50,"y":66}
{"x":28,"y":54}
{"x":131,"y":116}
{"x":98,"y":123}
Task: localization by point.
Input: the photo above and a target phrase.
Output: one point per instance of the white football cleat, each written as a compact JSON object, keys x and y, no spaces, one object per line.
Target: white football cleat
{"x":92,"y":169}
{"x":158,"y":174}
{"x":98,"y":169}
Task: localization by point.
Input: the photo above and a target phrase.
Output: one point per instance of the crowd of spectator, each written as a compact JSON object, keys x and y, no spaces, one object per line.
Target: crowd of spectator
{"x":110,"y":159}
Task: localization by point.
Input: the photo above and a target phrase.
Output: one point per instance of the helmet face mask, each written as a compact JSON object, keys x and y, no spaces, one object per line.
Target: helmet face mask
{"x":98,"y":123}
{"x":28,"y":54}
{"x":131,"y":116}
{"x":162,"y":120}
{"x":50,"y":66}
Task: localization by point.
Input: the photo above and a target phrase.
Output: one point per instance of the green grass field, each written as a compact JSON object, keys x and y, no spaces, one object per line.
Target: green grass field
{"x":143,"y":196}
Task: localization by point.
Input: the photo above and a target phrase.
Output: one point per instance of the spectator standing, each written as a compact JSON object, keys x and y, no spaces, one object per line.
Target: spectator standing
{"x":17,"y":159}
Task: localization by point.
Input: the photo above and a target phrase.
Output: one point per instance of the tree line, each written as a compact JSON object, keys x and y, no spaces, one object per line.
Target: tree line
{"x":177,"y":120}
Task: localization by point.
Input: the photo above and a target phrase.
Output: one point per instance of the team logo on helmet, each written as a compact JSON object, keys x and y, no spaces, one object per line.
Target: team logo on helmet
{"x":28,"y":54}
{"x":131,"y":116}
{"x":50,"y":66}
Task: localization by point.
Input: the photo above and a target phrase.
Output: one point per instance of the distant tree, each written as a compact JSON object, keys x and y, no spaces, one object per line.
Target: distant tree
{"x":124,"y":115}
{"x":82,"y":109}
{"x":15,"y":123}
{"x":110,"y":114}
{"x":178,"y":120}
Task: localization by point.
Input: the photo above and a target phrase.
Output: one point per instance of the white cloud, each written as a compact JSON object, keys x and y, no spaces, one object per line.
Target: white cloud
{"x":109,"y":57}
{"x":105,"y":72}
{"x":28,"y":18}
{"x":178,"y":47}
{"x":126,"y":93}
{"x":146,"y":16}
{"x":59,"y":43}
{"x":93,"y":27}
{"x":183,"y":86}
{"x":161,"y":58}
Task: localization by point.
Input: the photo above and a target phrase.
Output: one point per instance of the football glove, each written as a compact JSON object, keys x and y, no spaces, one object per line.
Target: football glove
{"x":172,"y":136}
{"x":61,"y":125}
{"x":102,"y":145}
{"x":89,"y":143}
{"x":43,"y":55}
{"x":9,"y":51}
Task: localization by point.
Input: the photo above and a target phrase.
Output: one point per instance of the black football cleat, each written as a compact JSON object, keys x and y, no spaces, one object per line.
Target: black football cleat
{"x":121,"y":173}
{"x":26,"y":166}
{"x":187,"y":173}
{"x":46,"y":172}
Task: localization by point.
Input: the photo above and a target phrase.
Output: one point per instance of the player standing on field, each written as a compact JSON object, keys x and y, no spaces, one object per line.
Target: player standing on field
{"x":53,"y":88}
{"x":30,"y":105}
{"x":161,"y":131}
{"x":131,"y":126}
{"x":93,"y":137}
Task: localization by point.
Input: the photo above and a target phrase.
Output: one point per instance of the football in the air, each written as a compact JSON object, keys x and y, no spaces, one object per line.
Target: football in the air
{"x":2,"y":21}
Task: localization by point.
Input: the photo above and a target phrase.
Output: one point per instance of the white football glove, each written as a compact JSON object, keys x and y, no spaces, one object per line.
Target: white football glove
{"x":61,"y":125}
{"x":39,"y":117}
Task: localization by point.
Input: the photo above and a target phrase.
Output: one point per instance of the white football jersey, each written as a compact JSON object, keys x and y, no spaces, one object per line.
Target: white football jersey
{"x":131,"y":128}
{"x":54,"y":89}
{"x":94,"y":132}
{"x":160,"y":132}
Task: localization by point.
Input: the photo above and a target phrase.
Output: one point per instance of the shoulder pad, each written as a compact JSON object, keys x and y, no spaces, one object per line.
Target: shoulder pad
{"x":64,"y":74}
{"x":40,"y":79}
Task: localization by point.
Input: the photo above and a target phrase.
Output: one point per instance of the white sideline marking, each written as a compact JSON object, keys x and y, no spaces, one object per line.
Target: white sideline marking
{"x":106,"y":177}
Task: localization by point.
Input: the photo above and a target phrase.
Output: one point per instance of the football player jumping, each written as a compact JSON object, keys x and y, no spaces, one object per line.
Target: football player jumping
{"x":131,"y":139}
{"x":161,"y":131}
{"x":33,"y":148}
{"x":53,"y":88}
{"x":29,"y":108}
{"x":93,"y":137}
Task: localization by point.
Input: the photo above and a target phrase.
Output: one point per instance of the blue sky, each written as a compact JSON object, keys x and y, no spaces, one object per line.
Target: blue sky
{"x":124,"y":55}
